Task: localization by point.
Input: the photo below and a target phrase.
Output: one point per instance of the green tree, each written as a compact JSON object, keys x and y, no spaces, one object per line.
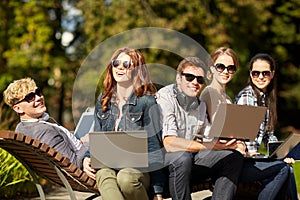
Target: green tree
{"x":249,"y":27}
{"x":31,"y":47}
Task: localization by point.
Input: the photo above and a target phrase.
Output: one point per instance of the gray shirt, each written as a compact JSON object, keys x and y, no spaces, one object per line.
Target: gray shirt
{"x":54,"y":137}
{"x":178,"y":122}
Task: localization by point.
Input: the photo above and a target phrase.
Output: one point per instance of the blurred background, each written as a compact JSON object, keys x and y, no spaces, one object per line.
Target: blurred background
{"x":48,"y":41}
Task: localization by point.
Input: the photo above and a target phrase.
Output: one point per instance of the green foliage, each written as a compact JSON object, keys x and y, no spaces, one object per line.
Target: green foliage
{"x":296,"y":167}
{"x":14,"y":178}
{"x":8,"y":117}
{"x":30,"y":39}
{"x":249,"y":27}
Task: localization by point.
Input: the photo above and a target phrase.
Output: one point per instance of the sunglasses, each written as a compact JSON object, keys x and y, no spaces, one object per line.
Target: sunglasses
{"x":30,"y":97}
{"x":116,"y":63}
{"x":221,"y":67}
{"x":266,"y":74}
{"x":191,"y":77}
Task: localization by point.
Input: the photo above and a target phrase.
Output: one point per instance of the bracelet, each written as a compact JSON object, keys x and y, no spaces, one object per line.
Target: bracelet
{"x":158,"y":195}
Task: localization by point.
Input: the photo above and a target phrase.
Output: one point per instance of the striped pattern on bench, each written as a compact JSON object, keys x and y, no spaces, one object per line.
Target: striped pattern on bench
{"x":42,"y":159}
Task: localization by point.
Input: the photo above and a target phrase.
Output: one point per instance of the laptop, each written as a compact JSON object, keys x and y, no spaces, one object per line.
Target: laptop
{"x":272,"y":146}
{"x":85,"y":124}
{"x":119,"y":149}
{"x":284,"y":149}
{"x":237,"y":121}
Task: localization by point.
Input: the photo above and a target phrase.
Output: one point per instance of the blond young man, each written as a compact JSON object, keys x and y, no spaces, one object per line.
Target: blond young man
{"x":24,"y":97}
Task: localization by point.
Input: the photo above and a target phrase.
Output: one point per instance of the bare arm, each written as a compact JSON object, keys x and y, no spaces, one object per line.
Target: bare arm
{"x":173,"y":144}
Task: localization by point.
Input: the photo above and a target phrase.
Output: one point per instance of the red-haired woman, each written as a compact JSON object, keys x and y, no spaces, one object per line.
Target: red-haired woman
{"x":128,"y":103}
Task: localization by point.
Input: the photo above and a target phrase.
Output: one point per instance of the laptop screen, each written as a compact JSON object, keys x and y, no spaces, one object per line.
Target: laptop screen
{"x":119,"y":149}
{"x":237,"y":121}
{"x":272,"y":146}
{"x":85,"y":124}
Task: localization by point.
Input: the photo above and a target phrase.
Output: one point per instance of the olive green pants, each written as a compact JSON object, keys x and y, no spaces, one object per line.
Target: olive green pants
{"x":126,"y":184}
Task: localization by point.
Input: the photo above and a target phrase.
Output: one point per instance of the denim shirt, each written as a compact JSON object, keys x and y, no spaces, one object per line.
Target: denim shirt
{"x":139,"y":113}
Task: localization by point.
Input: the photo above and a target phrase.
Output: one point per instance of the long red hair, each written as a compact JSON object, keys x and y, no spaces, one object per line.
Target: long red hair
{"x":140,"y":76}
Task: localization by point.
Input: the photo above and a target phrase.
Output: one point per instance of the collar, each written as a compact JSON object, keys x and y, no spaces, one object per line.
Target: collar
{"x":44,"y":117}
{"x":132,"y":99}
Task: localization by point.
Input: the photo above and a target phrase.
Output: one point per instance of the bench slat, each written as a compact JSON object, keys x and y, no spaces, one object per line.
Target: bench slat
{"x":41,"y":159}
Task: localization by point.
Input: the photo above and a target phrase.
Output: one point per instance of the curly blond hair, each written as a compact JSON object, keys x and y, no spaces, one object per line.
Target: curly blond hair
{"x":17,"y":90}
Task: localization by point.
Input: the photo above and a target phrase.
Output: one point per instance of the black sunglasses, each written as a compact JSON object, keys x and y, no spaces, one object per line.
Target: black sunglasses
{"x":266,"y":74}
{"x":30,"y":97}
{"x":191,"y":77}
{"x":221,"y":67}
{"x":116,"y":63}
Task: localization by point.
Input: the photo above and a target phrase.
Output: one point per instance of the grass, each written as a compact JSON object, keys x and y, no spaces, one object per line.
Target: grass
{"x":297,"y":174}
{"x":14,"y":178}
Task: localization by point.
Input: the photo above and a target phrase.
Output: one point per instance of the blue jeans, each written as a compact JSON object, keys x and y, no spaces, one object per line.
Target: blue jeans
{"x":223,"y":166}
{"x":272,"y":174}
{"x":291,"y":189}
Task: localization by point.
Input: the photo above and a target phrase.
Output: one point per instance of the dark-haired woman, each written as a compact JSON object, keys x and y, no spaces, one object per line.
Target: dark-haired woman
{"x":271,"y":174}
{"x":261,"y":91}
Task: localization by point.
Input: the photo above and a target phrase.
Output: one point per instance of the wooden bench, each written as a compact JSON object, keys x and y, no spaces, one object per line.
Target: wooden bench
{"x":42,"y":160}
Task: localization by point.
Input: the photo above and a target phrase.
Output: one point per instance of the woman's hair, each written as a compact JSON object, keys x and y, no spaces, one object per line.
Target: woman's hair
{"x":17,"y":90}
{"x":139,"y":72}
{"x":271,"y":98}
{"x":222,"y":51}
{"x":225,"y":51}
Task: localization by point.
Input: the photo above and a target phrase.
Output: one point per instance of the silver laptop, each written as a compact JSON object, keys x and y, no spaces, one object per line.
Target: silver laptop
{"x":119,"y":149}
{"x":237,"y":121}
{"x":85,"y":124}
{"x":283,"y":148}
{"x":289,"y":143}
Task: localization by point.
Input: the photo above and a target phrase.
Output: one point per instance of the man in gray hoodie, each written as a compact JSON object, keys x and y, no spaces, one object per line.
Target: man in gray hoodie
{"x":24,"y":97}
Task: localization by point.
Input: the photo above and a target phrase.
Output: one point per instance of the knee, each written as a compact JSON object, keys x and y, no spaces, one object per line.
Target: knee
{"x":104,"y":174}
{"x":281,"y":169}
{"x":182,"y":159}
{"x":286,"y":169}
{"x":128,"y":179}
{"x":181,"y":165}
{"x":236,"y":158}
